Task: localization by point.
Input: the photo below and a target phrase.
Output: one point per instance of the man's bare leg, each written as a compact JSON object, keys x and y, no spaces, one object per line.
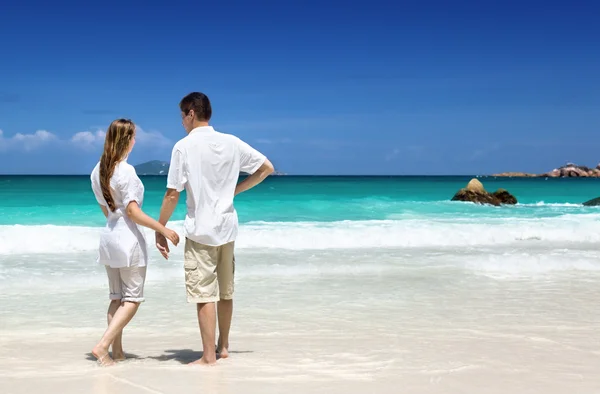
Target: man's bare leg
{"x":224,"y":312}
{"x":207,"y":320}
{"x":122,"y":316}
{"x":117,"y":345}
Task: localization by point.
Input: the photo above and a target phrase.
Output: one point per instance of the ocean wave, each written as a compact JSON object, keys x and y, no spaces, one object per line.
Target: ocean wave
{"x":468,"y":232}
{"x":53,"y":274}
{"x":554,"y":205}
{"x":527,"y":264}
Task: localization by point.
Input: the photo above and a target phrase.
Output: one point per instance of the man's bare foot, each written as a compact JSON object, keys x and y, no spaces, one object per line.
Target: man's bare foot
{"x":204,"y":362}
{"x":102,"y":356}
{"x":222,"y":352}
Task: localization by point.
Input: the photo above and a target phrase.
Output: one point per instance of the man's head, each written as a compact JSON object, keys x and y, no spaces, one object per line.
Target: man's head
{"x":195,"y":111}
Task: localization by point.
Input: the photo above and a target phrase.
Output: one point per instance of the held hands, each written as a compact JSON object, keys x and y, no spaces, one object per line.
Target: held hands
{"x":171,"y":236}
{"x":161,"y":241}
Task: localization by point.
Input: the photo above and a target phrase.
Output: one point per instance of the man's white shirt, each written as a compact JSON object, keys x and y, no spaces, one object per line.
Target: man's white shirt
{"x":207,"y":164}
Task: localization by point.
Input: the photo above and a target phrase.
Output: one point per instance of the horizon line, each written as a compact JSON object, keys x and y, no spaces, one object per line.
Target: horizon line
{"x":327,"y":175}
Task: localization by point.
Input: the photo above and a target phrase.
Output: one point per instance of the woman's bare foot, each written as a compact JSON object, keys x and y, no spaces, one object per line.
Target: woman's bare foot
{"x":204,"y":362}
{"x":222,"y":352}
{"x":102,"y":356}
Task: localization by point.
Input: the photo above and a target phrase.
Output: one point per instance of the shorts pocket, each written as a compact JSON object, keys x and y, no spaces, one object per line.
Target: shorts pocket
{"x":192,"y":277}
{"x":190,"y":265}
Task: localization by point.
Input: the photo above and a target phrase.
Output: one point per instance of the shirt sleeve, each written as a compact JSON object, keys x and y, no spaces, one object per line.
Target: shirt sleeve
{"x":96,"y":188}
{"x":250,"y":158}
{"x":131,"y":187}
{"x":177,"y":177}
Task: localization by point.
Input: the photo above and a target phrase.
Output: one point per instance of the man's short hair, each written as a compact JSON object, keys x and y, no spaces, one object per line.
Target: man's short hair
{"x":200,"y":103}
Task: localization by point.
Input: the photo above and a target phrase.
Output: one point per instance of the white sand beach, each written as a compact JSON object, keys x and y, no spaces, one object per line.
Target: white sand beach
{"x":331,"y":322}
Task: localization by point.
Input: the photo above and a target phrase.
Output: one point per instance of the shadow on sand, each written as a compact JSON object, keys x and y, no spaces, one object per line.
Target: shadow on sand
{"x":183,"y":356}
{"x":128,"y":356}
{"x":186,"y":356}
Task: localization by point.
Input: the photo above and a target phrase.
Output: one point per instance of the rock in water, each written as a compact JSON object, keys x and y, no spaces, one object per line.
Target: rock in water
{"x":593,"y":202}
{"x":475,"y":192}
{"x":505,"y":197}
{"x":476,"y":197}
{"x":475,"y":186}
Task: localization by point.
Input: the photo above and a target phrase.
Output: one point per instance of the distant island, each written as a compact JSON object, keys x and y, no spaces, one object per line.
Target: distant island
{"x":154,"y":167}
{"x":157,"y":167}
{"x":569,"y":170}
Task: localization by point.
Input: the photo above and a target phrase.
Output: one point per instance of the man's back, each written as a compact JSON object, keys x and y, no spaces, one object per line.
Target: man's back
{"x":207,"y":164}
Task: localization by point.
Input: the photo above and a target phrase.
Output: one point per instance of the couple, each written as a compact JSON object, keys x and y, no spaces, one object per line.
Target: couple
{"x":206,"y":164}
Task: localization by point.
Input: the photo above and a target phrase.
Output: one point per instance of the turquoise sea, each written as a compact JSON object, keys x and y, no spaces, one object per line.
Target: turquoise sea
{"x":304,"y":212}
{"x":68,"y":200}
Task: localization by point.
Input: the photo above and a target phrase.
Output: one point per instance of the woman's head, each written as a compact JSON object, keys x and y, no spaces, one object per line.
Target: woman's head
{"x":119,"y":141}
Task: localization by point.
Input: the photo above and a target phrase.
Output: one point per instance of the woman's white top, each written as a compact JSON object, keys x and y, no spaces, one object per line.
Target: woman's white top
{"x":121,"y":236}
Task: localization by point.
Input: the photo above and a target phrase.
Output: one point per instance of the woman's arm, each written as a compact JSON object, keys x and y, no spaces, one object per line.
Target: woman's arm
{"x":136,"y":214}
{"x":104,"y":210}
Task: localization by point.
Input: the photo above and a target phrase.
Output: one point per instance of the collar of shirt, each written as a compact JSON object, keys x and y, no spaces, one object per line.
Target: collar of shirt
{"x":202,"y":129}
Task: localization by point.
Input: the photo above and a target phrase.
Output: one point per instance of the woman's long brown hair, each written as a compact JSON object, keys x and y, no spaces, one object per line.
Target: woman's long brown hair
{"x":116,"y":147}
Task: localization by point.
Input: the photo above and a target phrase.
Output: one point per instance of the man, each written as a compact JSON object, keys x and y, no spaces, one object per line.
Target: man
{"x":207,"y":164}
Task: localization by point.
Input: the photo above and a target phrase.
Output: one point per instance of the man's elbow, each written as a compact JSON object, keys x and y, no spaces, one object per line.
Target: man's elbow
{"x":172,"y":196}
{"x":267,"y":167}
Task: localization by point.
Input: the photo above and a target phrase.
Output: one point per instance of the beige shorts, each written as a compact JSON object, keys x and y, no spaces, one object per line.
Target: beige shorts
{"x":126,"y":284}
{"x":209,"y":272}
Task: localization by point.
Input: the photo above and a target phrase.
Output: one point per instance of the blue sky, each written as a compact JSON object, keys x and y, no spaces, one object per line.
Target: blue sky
{"x":420,"y":87}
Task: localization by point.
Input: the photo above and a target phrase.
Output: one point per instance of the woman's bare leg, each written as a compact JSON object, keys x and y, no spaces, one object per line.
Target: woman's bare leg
{"x":121,"y":318}
{"x":117,"y":345}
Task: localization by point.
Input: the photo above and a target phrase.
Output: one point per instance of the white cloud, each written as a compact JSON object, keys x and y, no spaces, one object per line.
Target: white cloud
{"x":27,"y":142}
{"x":88,"y":140}
{"x":151,"y":138}
{"x":94,"y":139}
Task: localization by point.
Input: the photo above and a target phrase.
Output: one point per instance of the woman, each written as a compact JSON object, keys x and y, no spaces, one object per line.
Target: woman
{"x":123,"y":249}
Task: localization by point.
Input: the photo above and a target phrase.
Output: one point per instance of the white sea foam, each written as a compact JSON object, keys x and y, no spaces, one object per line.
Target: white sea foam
{"x":465,"y":232}
{"x":528,"y":264}
{"x":555,"y":205}
{"x":56,"y":274}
